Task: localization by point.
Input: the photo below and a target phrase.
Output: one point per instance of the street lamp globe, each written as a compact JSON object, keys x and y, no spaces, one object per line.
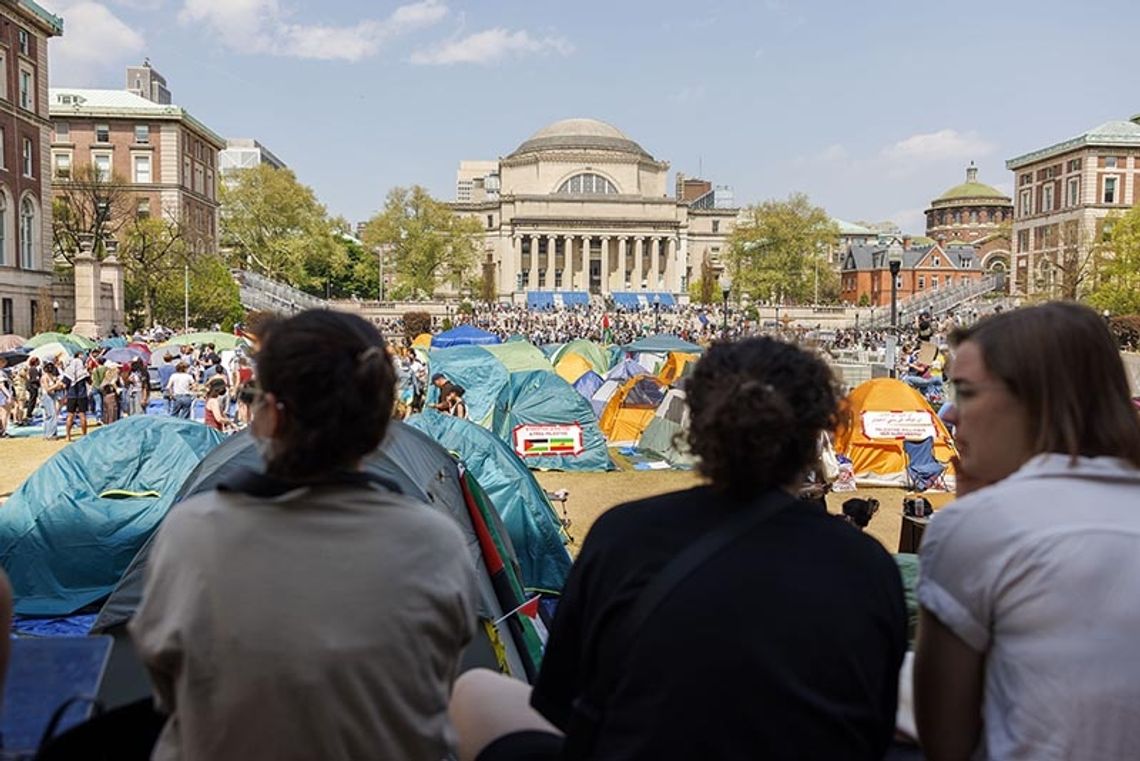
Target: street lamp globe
{"x":725,"y":290}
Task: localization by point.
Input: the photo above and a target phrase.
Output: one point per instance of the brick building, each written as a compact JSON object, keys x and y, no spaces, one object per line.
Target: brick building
{"x":1064,"y":194}
{"x":865,"y":270}
{"x":977,"y":215}
{"x":167,"y":158}
{"x":25,"y":199}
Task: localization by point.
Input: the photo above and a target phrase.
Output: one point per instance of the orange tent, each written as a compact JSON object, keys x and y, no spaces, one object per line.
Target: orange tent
{"x":878,"y":417}
{"x":631,"y":409}
{"x":675,"y":365}
{"x":572,"y":367}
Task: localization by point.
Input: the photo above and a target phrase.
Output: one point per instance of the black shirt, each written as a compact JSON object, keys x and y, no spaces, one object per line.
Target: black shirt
{"x":787,"y":644}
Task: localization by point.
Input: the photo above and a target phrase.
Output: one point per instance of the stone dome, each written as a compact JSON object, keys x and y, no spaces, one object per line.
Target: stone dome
{"x":580,"y":134}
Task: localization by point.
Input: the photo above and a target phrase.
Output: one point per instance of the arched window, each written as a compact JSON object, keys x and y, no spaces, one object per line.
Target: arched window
{"x":588,"y":184}
{"x":27,"y":234}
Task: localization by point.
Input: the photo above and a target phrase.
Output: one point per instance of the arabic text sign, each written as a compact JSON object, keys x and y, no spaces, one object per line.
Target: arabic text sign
{"x":913,"y":424}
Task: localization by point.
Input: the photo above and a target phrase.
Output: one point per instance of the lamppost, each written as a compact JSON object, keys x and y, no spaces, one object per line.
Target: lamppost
{"x":657,"y":313}
{"x":55,"y":314}
{"x":894,"y":262}
{"x":725,"y":290}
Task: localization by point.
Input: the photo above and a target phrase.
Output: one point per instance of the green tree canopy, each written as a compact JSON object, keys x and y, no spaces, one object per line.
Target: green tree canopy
{"x":779,"y":251}
{"x":214,"y":298}
{"x":1118,"y":277}
{"x":274,"y":225}
{"x":152,"y":251}
{"x":429,"y":243}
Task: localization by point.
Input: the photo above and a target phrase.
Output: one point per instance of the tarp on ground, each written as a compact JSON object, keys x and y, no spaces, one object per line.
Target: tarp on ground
{"x":596,"y":355}
{"x":662,"y":344}
{"x":535,"y":529}
{"x":501,"y":400}
{"x":879,"y":416}
{"x":62,"y":544}
{"x":424,"y":471}
{"x":464,"y":335}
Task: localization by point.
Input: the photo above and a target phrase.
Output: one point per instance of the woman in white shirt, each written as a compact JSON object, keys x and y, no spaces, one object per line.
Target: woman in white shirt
{"x":181,"y":387}
{"x":1029,"y":633}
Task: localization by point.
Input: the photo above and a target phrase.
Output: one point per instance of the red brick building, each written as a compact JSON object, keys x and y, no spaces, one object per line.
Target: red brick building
{"x":977,"y":215}
{"x":25,"y":199}
{"x":866,"y":271}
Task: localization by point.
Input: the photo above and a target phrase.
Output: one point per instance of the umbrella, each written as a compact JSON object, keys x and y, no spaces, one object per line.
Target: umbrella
{"x":124,"y":355}
{"x":13,"y":357}
{"x":10,"y":341}
{"x":49,"y":351}
{"x":221,"y":341}
{"x":116,"y":342}
{"x":140,"y":347}
{"x":75,"y":342}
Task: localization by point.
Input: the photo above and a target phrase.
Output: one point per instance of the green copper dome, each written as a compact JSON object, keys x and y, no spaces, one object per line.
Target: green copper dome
{"x":971,"y":188}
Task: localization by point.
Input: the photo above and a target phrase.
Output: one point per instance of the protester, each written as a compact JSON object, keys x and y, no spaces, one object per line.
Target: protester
{"x":7,"y":400}
{"x":312,"y":612}
{"x":180,"y":388}
{"x":34,"y":376}
{"x":216,"y":416}
{"x":51,"y":393}
{"x":76,"y":379}
{"x":165,"y":370}
{"x":456,"y":407}
{"x":773,"y":630}
{"x":1029,"y":638}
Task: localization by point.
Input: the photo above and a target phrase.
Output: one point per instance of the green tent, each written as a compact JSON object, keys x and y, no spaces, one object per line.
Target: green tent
{"x":595,"y":354}
{"x":221,"y":341}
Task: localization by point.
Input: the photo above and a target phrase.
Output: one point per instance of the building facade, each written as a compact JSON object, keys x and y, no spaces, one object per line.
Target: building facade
{"x":245,"y":153}
{"x":579,"y":207}
{"x":167,"y":159}
{"x":977,"y":215}
{"x":865,"y":276}
{"x":25,"y":196}
{"x":1064,"y":193}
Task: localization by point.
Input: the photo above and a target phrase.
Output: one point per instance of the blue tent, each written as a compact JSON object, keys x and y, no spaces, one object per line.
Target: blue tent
{"x":65,"y":538}
{"x":626,"y":370}
{"x":501,"y":399}
{"x":588,"y":384}
{"x":662,"y":344}
{"x":534,"y":527}
{"x":464,"y":335}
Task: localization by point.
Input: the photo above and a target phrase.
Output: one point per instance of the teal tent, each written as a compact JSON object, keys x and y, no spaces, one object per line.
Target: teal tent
{"x":662,"y":344}
{"x":535,"y":529}
{"x":512,"y":391}
{"x":72,"y":528}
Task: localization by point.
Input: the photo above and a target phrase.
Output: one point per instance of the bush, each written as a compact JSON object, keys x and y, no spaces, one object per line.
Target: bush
{"x":416,"y":323}
{"x":1126,"y":331}
{"x":864,"y":300}
{"x":466,"y":308}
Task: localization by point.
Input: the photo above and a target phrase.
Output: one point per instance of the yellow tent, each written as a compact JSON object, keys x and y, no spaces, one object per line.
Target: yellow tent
{"x":422,"y":341}
{"x":675,"y":365}
{"x":631,"y":409}
{"x":879,"y":416}
{"x":572,"y":367}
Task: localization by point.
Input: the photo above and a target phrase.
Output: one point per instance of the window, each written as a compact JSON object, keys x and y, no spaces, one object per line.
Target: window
{"x":973,"y":217}
{"x":6,"y":316}
{"x":27,"y":233}
{"x":210,"y":184}
{"x":142,"y":169}
{"x":199,"y":179}
{"x":1026,"y":178}
{"x":29,"y":158}
{"x":61,"y":166}
{"x":3,"y":229}
{"x":1074,"y":165}
{"x":934,"y":282}
{"x":3,"y":75}
{"x":102,"y":164}
{"x":62,"y":132}
{"x":937,"y":261}
{"x":27,"y":90}
{"x":186,"y":179}
{"x":588,"y":184}
{"x":1109,"y":162}
{"x":1026,"y":203}
{"x":1047,"y":198}
{"x":716,"y":226}
{"x":490,"y":221}
{"x":102,"y":133}
{"x":142,"y":134}
{"x":3,"y":152}
{"x":1073,"y":195}
{"x":142,"y":208}
{"x":1110,"y":189}
{"x":24,"y":42}
{"x":34,"y":313}
{"x":921,"y":282}
{"x":1022,"y":241}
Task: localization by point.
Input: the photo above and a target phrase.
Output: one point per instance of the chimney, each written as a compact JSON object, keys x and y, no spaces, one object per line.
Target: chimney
{"x":971,"y":173}
{"x":906,"y":243}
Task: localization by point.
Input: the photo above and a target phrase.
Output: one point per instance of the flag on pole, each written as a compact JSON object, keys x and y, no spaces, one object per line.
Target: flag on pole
{"x":528,"y":609}
{"x":607,"y":334}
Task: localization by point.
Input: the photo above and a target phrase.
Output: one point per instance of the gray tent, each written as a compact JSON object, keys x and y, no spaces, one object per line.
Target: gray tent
{"x":667,"y":433}
{"x":423,"y":470}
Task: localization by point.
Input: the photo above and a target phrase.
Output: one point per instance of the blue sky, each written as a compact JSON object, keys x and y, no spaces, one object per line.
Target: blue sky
{"x":871,"y":107}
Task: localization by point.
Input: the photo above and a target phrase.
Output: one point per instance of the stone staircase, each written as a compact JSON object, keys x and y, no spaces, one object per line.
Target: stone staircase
{"x":260,"y":293}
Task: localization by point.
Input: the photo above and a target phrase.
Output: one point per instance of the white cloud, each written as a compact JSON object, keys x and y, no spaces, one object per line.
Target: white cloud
{"x":490,"y":46}
{"x":910,"y":220}
{"x":97,"y":43}
{"x":265,"y":27}
{"x":942,"y":145}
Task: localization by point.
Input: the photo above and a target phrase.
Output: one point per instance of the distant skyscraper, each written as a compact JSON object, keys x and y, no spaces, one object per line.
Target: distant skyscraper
{"x":473,"y":175}
{"x":245,"y":153}
{"x":147,"y":83}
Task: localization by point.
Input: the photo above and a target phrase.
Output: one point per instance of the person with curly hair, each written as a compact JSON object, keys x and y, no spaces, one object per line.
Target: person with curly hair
{"x":728,"y":621}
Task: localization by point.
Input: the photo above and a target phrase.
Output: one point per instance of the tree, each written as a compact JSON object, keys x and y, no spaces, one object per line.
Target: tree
{"x":430,"y":243}
{"x":88,"y":206}
{"x":274,"y":225}
{"x":780,"y":252}
{"x":1118,"y":283}
{"x":703,"y":289}
{"x":153,"y":250}
{"x":214,"y":298}
{"x":1066,"y":272}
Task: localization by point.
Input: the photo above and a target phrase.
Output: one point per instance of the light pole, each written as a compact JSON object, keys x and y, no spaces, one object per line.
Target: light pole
{"x":894,"y":262}
{"x":186,"y":300}
{"x":725,"y":290}
{"x":657,"y":313}
{"x":55,"y":315}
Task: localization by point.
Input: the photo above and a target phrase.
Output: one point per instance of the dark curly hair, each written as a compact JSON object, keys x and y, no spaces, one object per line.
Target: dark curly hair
{"x":331,"y":373}
{"x":757,"y":409}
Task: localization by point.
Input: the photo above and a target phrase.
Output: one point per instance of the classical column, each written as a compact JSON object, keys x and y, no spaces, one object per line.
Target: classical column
{"x":668,"y":248}
{"x":638,"y":263}
{"x":654,"y":263}
{"x":551,"y":263}
{"x":532,"y":270}
{"x":569,"y":274}
{"x":607,"y":275}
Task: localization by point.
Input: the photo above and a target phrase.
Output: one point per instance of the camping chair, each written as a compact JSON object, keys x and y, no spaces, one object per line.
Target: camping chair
{"x":561,"y":496}
{"x":923,"y":471}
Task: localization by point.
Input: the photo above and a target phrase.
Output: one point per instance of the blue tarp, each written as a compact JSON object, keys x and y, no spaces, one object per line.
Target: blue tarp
{"x":643,"y":299}
{"x":464,"y":335}
{"x":538,"y":300}
{"x":534,"y":527}
{"x":546,"y":300}
{"x":662,"y":344}
{"x":63,"y":545}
